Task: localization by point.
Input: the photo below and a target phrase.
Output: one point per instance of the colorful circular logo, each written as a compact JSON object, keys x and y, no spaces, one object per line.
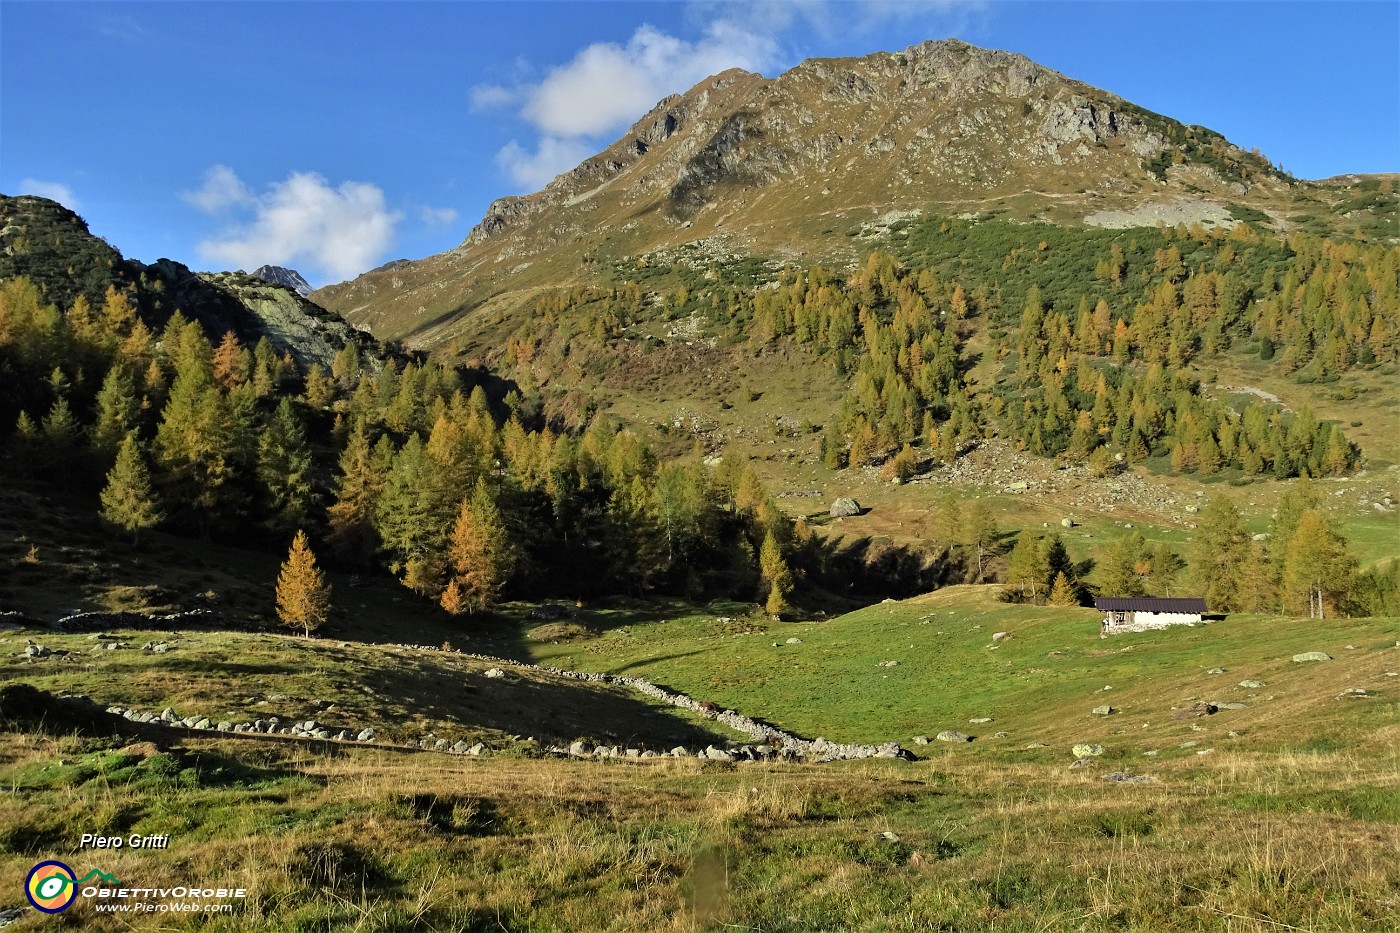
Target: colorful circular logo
{"x":51,"y":887}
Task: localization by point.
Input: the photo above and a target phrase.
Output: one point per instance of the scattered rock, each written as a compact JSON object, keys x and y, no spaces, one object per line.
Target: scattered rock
{"x":920,"y":740}
{"x":1082,"y":763}
{"x":1216,"y":670}
{"x":953,"y":735}
{"x":1312,"y":656}
{"x":1067,"y":523}
{"x":1037,"y":745}
{"x":1103,"y":710}
{"x":1000,"y":636}
{"x":1252,"y":684}
{"x":794,"y":641}
{"x":844,"y":507}
{"x":979,"y":720}
{"x":1086,"y":750}
{"x":495,"y":673}
{"x":1121,"y":777}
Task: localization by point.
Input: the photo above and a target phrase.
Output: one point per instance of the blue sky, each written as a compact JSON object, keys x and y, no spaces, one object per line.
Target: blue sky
{"x":332,"y":137}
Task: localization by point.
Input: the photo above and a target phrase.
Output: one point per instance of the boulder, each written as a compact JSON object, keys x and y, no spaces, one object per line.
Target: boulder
{"x":1103,"y":710}
{"x":495,"y":673}
{"x":1082,"y":763}
{"x":1066,"y":523}
{"x":979,"y":720}
{"x":578,"y":749}
{"x":1000,"y":636}
{"x":794,"y":641}
{"x":1312,"y":656}
{"x":920,"y":740}
{"x":1086,"y":750}
{"x":680,"y":751}
{"x":366,"y":735}
{"x":844,"y":507}
{"x":717,"y":754}
{"x":953,"y":735}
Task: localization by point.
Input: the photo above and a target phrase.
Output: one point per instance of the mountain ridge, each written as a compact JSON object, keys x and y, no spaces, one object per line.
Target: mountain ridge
{"x":782,"y":167}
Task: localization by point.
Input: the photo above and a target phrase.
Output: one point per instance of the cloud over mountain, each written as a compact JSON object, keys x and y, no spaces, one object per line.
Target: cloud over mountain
{"x":302,"y":221}
{"x":607,"y":85}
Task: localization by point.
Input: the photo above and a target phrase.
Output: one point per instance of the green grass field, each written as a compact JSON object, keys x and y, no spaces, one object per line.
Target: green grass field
{"x":1039,"y":685}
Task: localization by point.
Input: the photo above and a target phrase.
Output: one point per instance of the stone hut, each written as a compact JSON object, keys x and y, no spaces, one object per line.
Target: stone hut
{"x":1141,"y":613}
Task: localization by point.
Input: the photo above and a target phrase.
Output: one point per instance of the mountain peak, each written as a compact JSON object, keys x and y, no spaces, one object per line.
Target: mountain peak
{"x":281,"y":275}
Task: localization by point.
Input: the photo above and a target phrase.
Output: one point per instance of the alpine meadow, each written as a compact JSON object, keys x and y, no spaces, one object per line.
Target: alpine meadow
{"x":915,"y":491}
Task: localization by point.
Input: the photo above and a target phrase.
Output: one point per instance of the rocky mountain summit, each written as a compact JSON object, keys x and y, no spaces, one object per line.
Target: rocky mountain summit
{"x":281,"y":275}
{"x":785,"y":167}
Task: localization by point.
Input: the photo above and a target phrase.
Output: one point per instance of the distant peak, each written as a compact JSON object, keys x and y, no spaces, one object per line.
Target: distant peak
{"x":280,"y":275}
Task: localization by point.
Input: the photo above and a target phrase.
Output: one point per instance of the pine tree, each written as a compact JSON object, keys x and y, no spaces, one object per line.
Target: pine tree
{"x":303,"y":596}
{"x":479,"y":551}
{"x":128,"y":500}
{"x":284,"y":469}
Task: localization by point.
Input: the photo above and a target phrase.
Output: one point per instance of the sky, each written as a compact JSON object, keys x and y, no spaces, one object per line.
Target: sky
{"x":332,"y":137}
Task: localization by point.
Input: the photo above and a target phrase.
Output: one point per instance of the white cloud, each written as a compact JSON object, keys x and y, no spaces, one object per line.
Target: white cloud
{"x":608,"y":85}
{"x":222,"y":189}
{"x":437,"y":216}
{"x":533,"y":170}
{"x":492,"y":97}
{"x":302,"y":221}
{"x":52,"y":190}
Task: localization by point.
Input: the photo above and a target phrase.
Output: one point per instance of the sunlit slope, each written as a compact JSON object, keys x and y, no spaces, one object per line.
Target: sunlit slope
{"x":1040,"y":684}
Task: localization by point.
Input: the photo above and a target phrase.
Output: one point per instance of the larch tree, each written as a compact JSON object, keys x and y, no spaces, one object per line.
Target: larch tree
{"x":774,"y":568}
{"x":128,"y":501}
{"x":1027,"y":568}
{"x":352,"y":533}
{"x":1218,"y":553}
{"x":117,"y":411}
{"x":480,"y":553}
{"x":1062,"y":592}
{"x":1318,"y":571}
{"x":979,"y":533}
{"x":303,"y":596}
